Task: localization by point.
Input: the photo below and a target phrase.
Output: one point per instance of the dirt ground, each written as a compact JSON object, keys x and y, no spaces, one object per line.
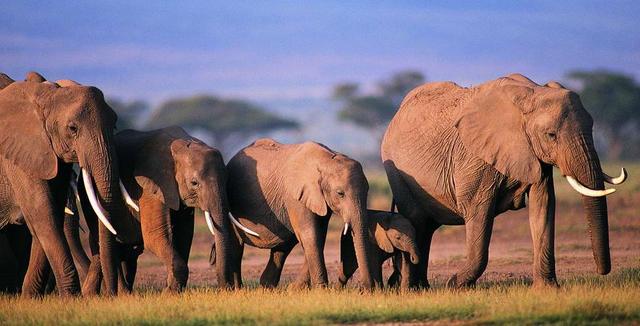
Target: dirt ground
{"x":510,"y":255}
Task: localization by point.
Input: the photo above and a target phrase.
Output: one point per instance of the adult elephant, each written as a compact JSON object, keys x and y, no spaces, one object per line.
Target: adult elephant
{"x":47,"y":128}
{"x":457,"y":155}
{"x":169,"y":173}
{"x":287,"y":193}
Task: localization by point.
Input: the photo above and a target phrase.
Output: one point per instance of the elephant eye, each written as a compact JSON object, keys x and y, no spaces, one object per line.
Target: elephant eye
{"x":73,"y":128}
{"x":194,"y":183}
{"x":551,"y":135}
{"x":340,"y":193}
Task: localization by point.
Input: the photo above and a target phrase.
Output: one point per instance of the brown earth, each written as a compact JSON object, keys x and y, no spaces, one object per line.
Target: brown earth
{"x":510,"y":255}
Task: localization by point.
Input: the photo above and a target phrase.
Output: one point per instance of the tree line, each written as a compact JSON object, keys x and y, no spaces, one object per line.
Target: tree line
{"x":612,"y":98}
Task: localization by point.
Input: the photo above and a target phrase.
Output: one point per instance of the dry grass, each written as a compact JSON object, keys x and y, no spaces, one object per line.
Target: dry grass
{"x":580,"y":300}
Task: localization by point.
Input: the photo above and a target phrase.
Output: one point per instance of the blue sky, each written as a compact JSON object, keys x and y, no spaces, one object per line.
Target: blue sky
{"x":294,"y":49}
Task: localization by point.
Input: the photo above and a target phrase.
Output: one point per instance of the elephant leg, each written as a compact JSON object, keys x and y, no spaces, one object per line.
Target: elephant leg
{"x":478,"y":235}
{"x":72,"y":234}
{"x":271,"y":275}
{"x":42,"y":203}
{"x":424,"y":225}
{"x":93,"y":281}
{"x":396,"y":276}
{"x":38,"y":272}
{"x":9,"y":271}
{"x":312,"y":238}
{"x":155,"y":219}
{"x":542,"y":224}
{"x":182,"y":225}
{"x":15,"y":247}
{"x":128,"y":267}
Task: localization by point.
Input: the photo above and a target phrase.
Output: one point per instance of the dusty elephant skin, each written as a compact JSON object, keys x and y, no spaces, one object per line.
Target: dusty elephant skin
{"x":457,"y":155}
{"x":392,"y":235}
{"x":287,"y":193}
{"x":169,"y":173}
{"x":47,"y":128}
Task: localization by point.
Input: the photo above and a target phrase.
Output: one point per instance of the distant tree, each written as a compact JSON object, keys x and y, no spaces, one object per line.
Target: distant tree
{"x":376,"y":109}
{"x":613,"y":99}
{"x":400,"y":83}
{"x":129,"y":113}
{"x":222,"y":118}
{"x":345,"y":91}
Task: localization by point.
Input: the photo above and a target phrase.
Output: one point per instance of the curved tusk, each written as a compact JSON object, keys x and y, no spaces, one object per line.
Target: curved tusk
{"x":586,"y":191}
{"x":128,"y":198}
{"x":242,"y":227}
{"x":68,"y":211}
{"x":95,"y":204}
{"x":346,"y":228}
{"x":207,"y":218}
{"x":617,"y":180}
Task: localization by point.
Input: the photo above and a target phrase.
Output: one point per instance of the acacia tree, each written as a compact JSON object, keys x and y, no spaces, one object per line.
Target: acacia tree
{"x":129,"y":113}
{"x":221,"y":118}
{"x":613,"y":99}
{"x":376,"y":109}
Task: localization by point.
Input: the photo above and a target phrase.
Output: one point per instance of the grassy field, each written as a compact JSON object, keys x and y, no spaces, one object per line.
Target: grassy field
{"x":615,"y":299}
{"x":503,"y":294}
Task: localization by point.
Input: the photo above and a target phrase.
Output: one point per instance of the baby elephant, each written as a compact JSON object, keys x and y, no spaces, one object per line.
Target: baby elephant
{"x":392,"y":235}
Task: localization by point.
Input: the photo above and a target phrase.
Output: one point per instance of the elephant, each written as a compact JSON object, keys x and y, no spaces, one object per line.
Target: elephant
{"x":286,"y":193}
{"x":46,"y":129}
{"x":169,"y":173}
{"x":456,"y":155}
{"x":392,"y":235}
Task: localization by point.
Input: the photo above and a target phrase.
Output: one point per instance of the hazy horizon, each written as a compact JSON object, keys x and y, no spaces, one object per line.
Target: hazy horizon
{"x":289,"y":50}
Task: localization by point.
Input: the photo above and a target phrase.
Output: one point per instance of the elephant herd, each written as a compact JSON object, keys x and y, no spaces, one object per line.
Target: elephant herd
{"x":453,"y":156}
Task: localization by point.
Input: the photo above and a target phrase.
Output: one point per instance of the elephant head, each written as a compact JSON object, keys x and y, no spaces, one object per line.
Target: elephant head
{"x":519,"y":127}
{"x":334,"y":183}
{"x":395,"y":232}
{"x":47,"y":125}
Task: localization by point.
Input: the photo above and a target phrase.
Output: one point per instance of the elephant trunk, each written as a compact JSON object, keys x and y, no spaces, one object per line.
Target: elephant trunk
{"x":584,"y":165}
{"x":102,"y":166}
{"x":226,"y":245}
{"x":370,"y":275}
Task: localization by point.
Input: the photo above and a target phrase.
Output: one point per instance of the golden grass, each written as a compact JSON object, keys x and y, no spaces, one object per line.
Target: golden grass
{"x":580,"y":300}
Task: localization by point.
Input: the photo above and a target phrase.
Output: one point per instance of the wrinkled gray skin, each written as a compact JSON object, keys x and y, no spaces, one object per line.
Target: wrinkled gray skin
{"x":46,"y":128}
{"x":287,"y":193}
{"x":169,"y":173}
{"x":457,"y":155}
{"x":392,"y":235}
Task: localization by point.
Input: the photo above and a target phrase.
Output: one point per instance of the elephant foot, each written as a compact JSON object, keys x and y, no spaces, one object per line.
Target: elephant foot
{"x":343,"y":280}
{"x":299,"y":285}
{"x":456,"y":282}
{"x":545,"y":284}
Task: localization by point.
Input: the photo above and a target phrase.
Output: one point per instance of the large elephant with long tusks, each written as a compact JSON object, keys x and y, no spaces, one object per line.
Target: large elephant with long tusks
{"x":45,"y":129}
{"x":456,"y":155}
{"x":168,"y":173}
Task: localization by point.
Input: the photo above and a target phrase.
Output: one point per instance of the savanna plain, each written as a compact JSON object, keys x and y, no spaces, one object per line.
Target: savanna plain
{"x":502,"y":295}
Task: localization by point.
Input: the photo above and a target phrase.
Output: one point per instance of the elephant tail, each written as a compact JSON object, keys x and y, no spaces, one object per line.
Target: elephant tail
{"x":393,"y":205}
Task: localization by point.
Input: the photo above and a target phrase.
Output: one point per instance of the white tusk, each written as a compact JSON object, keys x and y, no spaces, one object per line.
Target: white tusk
{"x":95,"y":204}
{"x":346,"y":229}
{"x":68,"y":210}
{"x":586,"y":191}
{"x":617,"y":180}
{"x":207,"y":217}
{"x":128,"y":198}
{"x":242,"y":227}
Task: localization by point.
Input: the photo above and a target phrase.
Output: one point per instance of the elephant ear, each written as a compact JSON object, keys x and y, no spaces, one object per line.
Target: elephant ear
{"x":24,"y":140}
{"x":380,"y":233}
{"x":5,"y":80}
{"x":304,"y":184}
{"x":155,"y":172}
{"x":491,"y":127}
